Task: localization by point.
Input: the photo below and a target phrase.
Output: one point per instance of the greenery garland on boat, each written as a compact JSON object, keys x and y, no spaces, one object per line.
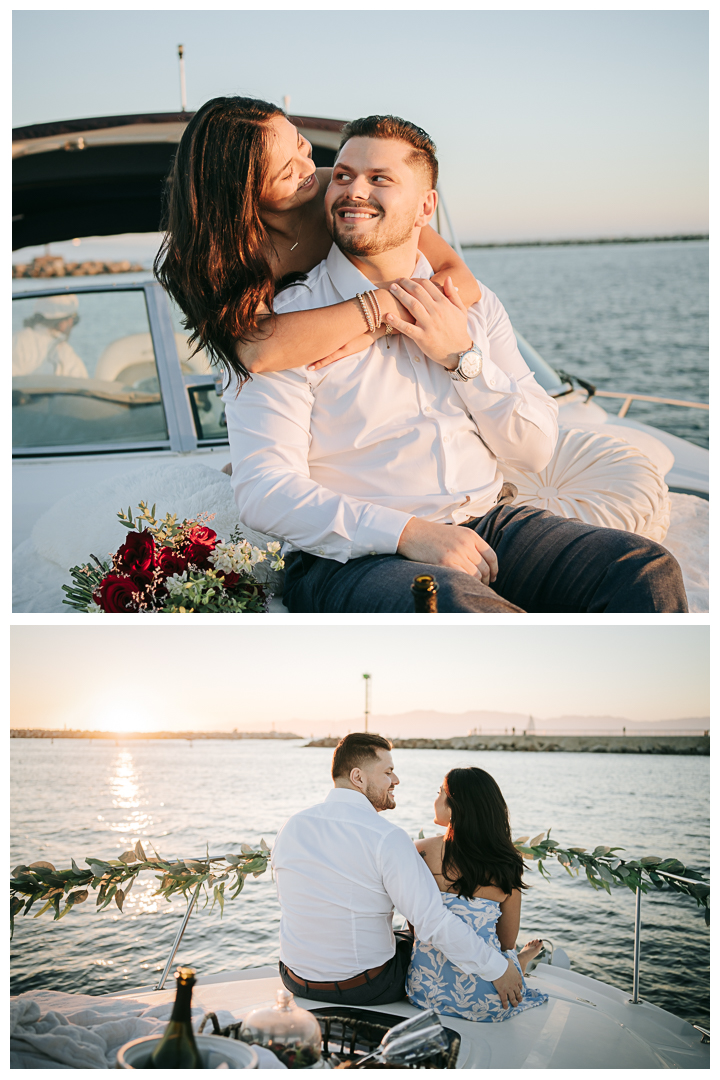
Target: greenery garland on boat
{"x":113,"y":878}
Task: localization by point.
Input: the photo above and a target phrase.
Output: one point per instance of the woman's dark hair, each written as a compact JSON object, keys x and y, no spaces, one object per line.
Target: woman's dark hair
{"x":212,"y":260}
{"x":478,"y":845}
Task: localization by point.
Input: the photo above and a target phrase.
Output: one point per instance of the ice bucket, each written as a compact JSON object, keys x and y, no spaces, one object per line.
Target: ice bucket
{"x":213,"y":1050}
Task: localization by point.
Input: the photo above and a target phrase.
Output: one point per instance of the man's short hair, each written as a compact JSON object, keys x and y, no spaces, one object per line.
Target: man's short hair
{"x":422,"y":154}
{"x":354,"y":750}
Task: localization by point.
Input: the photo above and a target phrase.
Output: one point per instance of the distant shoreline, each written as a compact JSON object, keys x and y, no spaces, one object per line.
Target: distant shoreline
{"x":578,"y":243}
{"x":588,"y":744}
{"x":46,"y":733}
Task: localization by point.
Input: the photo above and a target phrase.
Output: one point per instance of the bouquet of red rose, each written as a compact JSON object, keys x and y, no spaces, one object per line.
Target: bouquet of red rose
{"x":168,"y":566}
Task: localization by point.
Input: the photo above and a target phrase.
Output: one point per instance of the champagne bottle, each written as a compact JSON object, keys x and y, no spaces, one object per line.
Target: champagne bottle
{"x":177,"y":1049}
{"x":424,"y":592}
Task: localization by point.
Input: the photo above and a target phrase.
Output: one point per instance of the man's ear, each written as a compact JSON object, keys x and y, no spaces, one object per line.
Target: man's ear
{"x":355,"y":777}
{"x":426,"y":209}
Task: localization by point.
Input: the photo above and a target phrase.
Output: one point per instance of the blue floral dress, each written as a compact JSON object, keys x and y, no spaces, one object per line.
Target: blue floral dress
{"x":434,"y":983}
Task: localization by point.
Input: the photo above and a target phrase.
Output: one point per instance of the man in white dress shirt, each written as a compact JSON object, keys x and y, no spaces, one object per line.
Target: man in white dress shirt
{"x":341,"y":870}
{"x":384,"y":465}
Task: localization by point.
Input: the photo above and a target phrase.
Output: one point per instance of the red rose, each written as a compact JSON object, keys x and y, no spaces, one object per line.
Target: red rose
{"x":117,"y":592}
{"x":200,"y":544}
{"x":201,"y":535}
{"x":170,"y":562}
{"x":229,"y":580}
{"x":137,"y":555}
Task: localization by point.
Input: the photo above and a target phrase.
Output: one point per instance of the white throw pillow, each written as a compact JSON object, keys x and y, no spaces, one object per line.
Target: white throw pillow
{"x":660,"y":454}
{"x":85,"y":521}
{"x":600,"y":480}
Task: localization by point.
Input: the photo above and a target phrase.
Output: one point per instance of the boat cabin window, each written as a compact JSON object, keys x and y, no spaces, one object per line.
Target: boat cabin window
{"x":84,"y":371}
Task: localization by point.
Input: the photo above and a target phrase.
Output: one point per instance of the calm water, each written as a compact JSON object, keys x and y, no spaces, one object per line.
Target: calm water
{"x":76,"y":799}
{"x":627,"y":317}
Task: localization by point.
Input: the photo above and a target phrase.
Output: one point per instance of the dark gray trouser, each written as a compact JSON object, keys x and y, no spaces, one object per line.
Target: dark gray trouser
{"x":546,"y":564}
{"x":388,"y":986}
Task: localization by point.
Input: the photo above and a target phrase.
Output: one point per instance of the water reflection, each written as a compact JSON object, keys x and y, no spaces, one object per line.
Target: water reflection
{"x":124,"y":784}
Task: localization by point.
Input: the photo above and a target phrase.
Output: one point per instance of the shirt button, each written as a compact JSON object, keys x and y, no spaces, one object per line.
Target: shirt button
{"x":321,"y":551}
{"x":451,"y":490}
{"x":446,"y":438}
{"x":373,"y":552}
{"x":491,"y":382}
{"x":426,"y":408}
{"x":416,"y":359}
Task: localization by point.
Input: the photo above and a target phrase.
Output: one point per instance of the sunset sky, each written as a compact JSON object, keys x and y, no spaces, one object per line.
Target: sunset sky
{"x":549,"y":124}
{"x":210,"y":678}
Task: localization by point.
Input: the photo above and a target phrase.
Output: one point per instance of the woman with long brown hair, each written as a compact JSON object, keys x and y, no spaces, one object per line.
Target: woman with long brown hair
{"x":244,"y":217}
{"x":479,"y":872}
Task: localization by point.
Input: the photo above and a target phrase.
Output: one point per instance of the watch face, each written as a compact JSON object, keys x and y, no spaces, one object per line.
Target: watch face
{"x":470,"y":364}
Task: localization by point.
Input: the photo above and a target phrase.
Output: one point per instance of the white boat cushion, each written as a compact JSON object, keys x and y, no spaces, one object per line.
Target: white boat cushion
{"x":600,"y":480}
{"x":660,"y":454}
{"x":180,"y":488}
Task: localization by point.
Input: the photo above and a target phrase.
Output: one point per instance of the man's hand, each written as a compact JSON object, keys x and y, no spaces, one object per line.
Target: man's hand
{"x":509,"y":986}
{"x":448,"y":545}
{"x":440,"y":327}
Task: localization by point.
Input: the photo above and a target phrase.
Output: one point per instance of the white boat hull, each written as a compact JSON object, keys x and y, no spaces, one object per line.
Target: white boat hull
{"x":585,"y":1024}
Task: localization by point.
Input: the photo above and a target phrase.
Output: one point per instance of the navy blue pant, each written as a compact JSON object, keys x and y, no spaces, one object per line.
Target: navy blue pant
{"x":546,"y":564}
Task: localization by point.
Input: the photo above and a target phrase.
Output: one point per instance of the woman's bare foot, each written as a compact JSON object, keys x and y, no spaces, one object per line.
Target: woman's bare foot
{"x":529,"y":952}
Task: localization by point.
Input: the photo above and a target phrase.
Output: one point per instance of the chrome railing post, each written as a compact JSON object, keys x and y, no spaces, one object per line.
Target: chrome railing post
{"x":636,"y":961}
{"x":178,"y":938}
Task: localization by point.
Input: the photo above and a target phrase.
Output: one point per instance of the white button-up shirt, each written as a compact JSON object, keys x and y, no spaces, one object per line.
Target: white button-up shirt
{"x":337,"y":461}
{"x":340,"y":869}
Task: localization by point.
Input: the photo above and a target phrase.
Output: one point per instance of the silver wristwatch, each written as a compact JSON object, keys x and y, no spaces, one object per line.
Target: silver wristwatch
{"x":469,"y":365}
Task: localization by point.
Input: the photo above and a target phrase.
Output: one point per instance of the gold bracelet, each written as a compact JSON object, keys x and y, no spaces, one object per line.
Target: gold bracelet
{"x":375,"y":305}
{"x":388,"y":334}
{"x":366,"y":311}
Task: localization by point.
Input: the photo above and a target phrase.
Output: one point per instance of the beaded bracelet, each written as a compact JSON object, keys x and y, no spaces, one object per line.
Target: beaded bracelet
{"x":361,"y":297}
{"x":375,"y":305}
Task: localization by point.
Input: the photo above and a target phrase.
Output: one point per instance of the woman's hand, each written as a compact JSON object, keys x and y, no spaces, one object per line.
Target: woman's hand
{"x":440,"y":326}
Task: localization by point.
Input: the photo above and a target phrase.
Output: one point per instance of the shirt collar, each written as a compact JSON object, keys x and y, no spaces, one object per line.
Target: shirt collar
{"x":349,"y":281}
{"x":355,"y":798}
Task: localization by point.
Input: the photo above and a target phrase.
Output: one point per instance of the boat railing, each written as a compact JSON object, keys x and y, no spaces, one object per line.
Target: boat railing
{"x":629,"y":398}
{"x":634,"y":1000}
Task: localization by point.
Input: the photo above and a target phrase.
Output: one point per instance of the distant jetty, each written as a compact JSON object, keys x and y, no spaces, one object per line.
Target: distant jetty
{"x":45,"y":733}
{"x":577,"y":744}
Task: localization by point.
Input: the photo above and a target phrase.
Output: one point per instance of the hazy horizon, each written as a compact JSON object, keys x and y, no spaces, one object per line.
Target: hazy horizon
{"x":198,"y":677}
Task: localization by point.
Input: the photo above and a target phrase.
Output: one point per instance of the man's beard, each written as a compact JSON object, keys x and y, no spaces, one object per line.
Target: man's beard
{"x":381,"y":798}
{"x":379,"y":240}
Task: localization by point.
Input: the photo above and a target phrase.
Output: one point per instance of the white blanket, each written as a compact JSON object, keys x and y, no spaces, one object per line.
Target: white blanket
{"x":51,"y":1030}
{"x":86,"y":522}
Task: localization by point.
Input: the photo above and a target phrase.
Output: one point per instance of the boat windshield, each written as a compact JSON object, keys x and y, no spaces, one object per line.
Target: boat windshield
{"x":545,"y":375}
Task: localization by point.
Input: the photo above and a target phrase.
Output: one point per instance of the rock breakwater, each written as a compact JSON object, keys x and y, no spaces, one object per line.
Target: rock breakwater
{"x":577,"y":744}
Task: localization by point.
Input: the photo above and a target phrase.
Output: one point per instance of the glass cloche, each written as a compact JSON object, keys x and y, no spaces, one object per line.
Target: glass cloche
{"x":293,"y":1034}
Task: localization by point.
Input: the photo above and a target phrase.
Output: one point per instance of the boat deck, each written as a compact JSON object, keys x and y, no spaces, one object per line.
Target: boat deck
{"x":585,"y":1024}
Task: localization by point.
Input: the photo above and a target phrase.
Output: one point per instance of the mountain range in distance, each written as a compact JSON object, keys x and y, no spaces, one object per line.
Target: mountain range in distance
{"x":428,"y":724}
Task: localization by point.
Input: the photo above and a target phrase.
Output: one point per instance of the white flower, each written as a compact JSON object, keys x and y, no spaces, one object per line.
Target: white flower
{"x":176,"y":583}
{"x":92,"y":606}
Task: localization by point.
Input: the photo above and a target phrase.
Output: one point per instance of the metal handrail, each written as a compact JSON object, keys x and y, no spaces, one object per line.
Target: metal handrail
{"x":629,"y":398}
{"x":635,"y":1000}
{"x":181,"y":931}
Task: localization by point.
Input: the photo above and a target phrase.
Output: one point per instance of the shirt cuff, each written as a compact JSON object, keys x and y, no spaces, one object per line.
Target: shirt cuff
{"x":378,"y":531}
{"x":494,"y":968}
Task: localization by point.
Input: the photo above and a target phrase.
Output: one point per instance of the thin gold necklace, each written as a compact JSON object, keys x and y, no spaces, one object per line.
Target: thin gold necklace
{"x":302,"y":222}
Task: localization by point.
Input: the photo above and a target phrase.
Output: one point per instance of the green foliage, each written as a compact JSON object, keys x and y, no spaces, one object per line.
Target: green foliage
{"x":86,"y":581}
{"x":113,"y":879}
{"x":603,"y":869}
